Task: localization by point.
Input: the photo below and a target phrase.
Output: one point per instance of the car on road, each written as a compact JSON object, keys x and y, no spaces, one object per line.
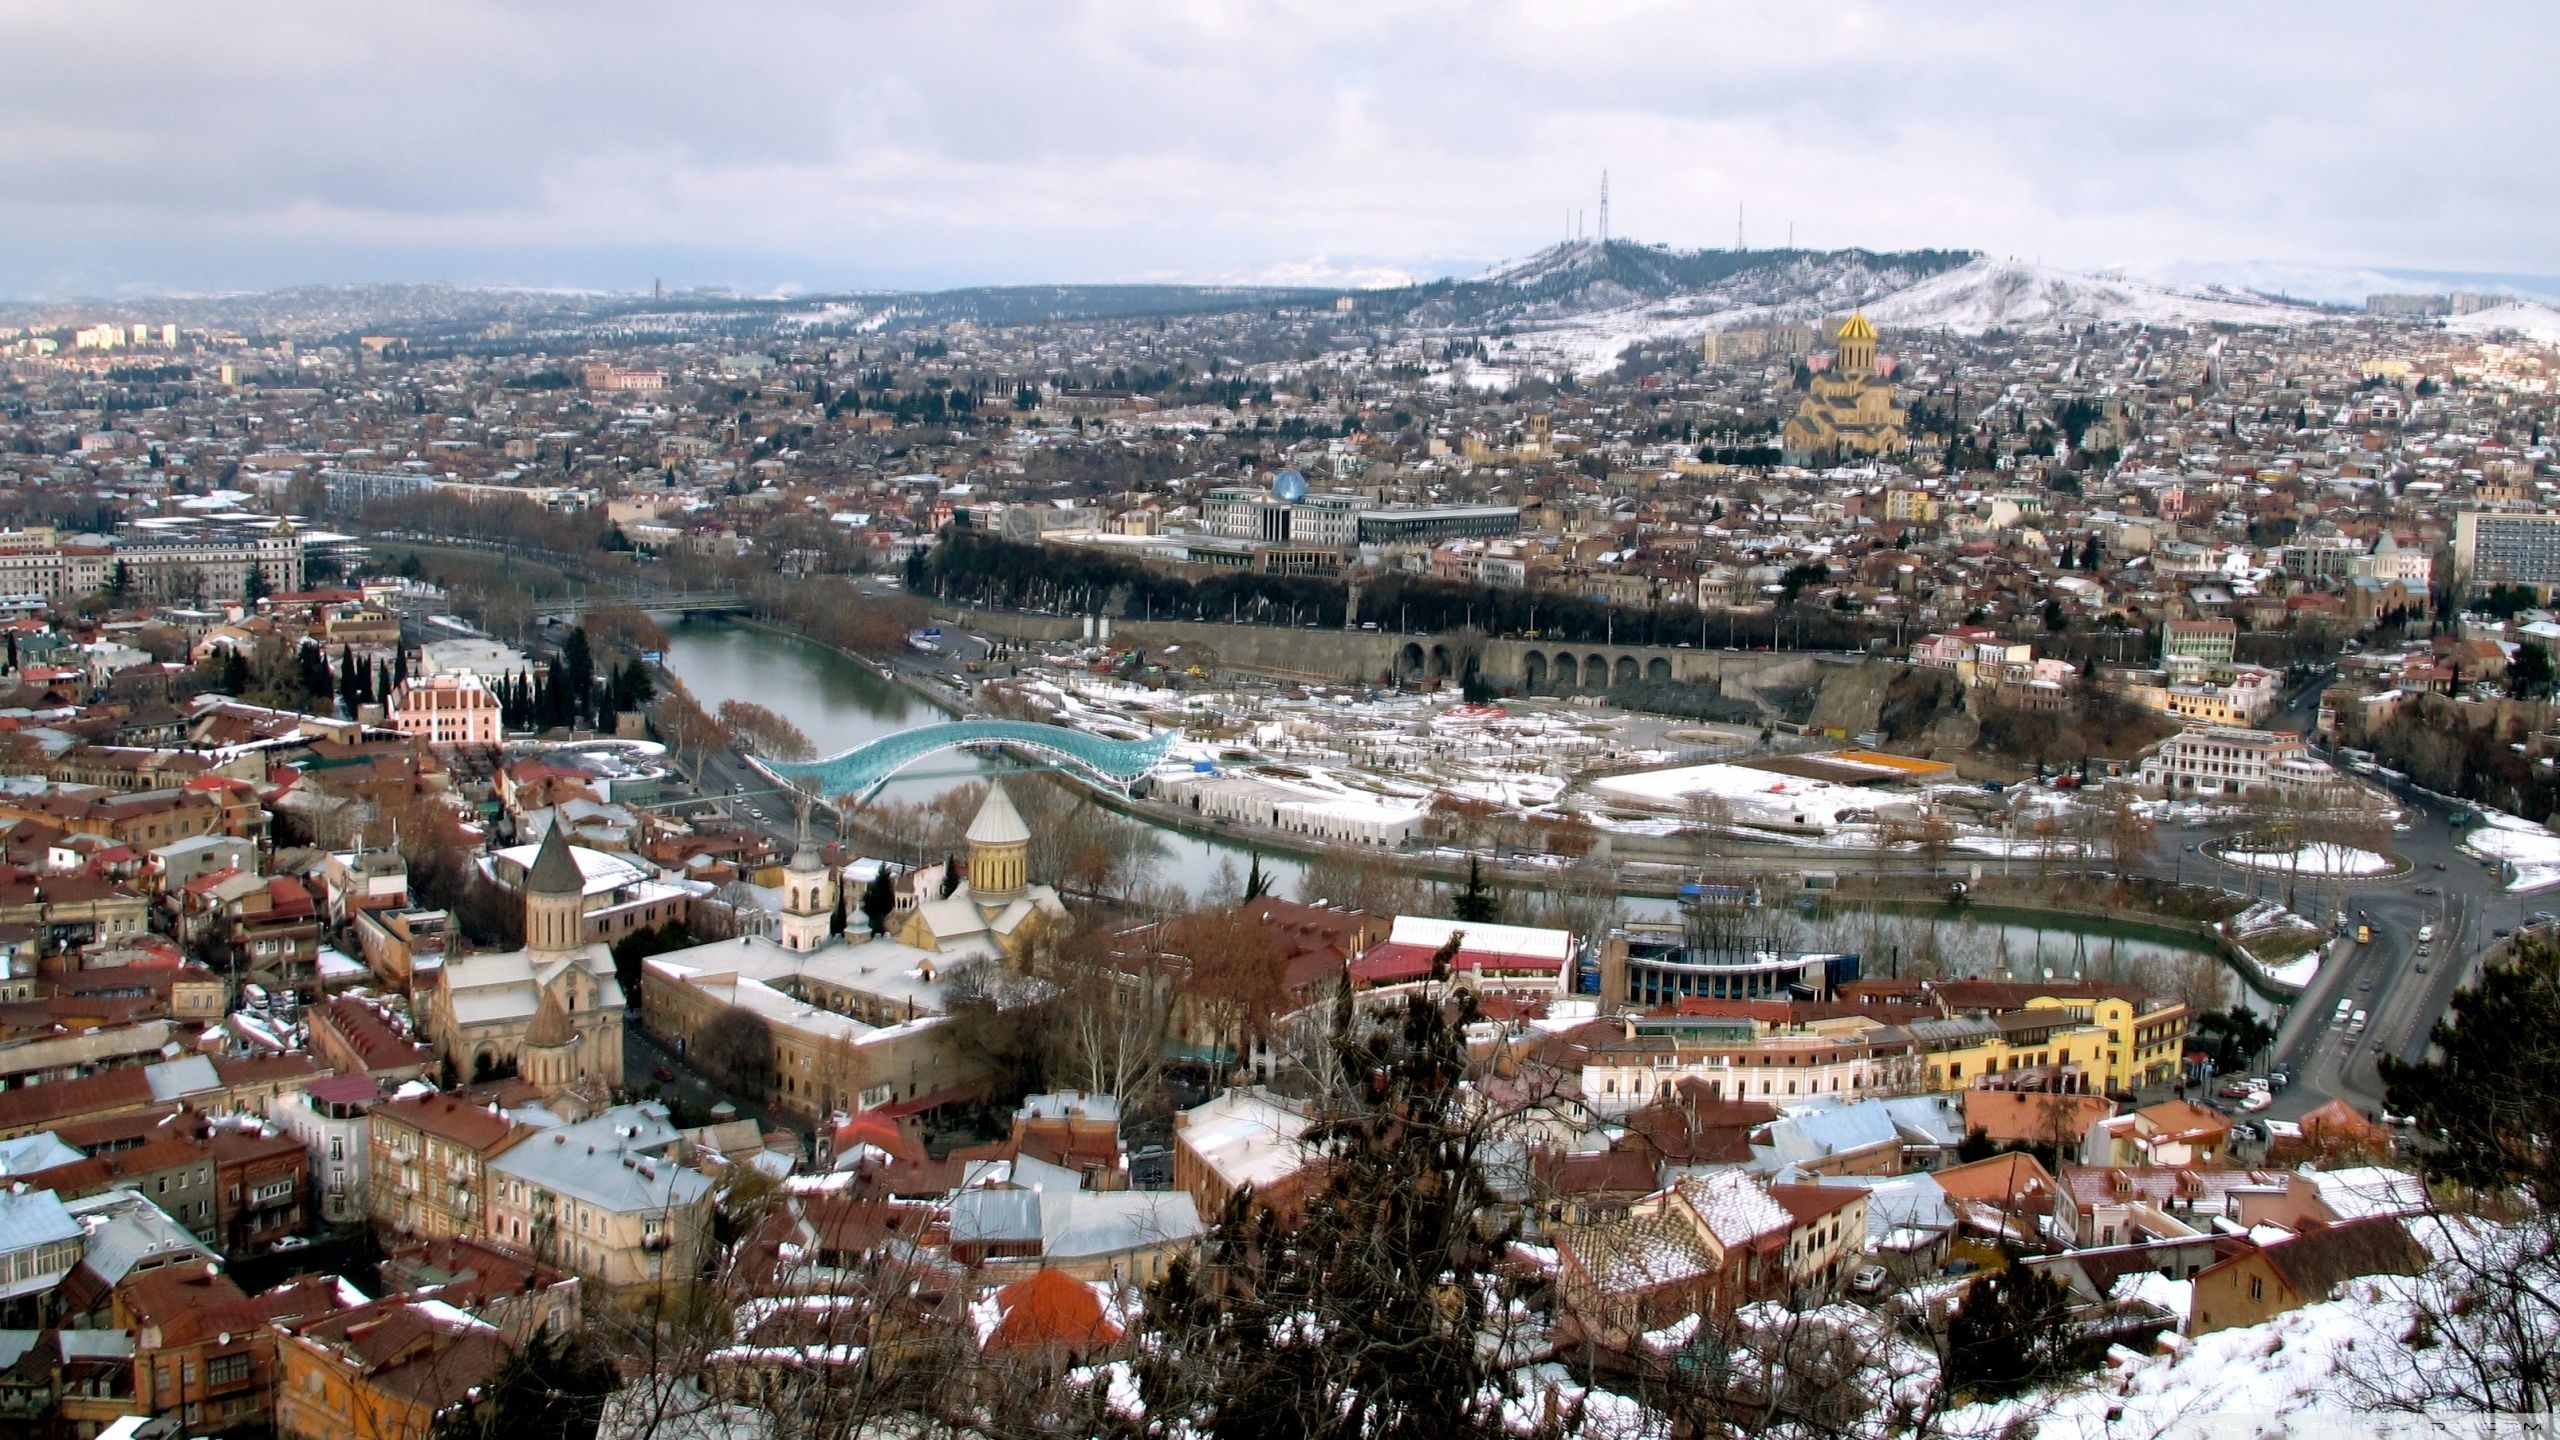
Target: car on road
{"x":2233,"y":1090}
{"x":2424,"y":890}
{"x":2501,"y":933}
{"x":2439,"y":864}
{"x":2365,"y":984}
{"x":662,"y":1073}
{"x":2191,"y":849}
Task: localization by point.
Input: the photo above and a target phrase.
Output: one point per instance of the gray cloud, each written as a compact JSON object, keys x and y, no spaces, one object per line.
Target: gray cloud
{"x":840,"y":145}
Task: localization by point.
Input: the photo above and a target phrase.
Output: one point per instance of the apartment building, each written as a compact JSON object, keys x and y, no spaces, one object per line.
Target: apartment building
{"x":452,"y":709}
{"x":428,"y":1163}
{"x":606,"y":1199}
{"x":2228,"y":760}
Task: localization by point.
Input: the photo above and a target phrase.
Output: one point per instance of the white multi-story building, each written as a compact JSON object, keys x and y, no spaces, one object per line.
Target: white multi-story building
{"x":2231,"y":761}
{"x":1249,"y":512}
{"x":331,"y":1116}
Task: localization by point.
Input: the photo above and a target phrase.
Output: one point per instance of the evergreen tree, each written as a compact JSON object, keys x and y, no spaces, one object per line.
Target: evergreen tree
{"x":950,"y":876}
{"x":637,"y":688}
{"x":350,"y":682}
{"x":553,"y":1389}
{"x":580,"y":664}
{"x":235,"y":671}
{"x":879,"y":901}
{"x":255,"y":587}
{"x":2089,"y":552}
{"x":2013,"y":1331}
{"x":311,"y":675}
{"x":1369,"y":1318}
{"x":835,"y":920}
{"x":1477,"y":904}
{"x":1256,"y":883}
{"x":2490,"y":1097}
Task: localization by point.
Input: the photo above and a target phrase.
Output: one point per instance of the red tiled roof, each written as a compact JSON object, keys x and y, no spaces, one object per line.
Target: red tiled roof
{"x":1051,"y":1309}
{"x":1393,"y":962}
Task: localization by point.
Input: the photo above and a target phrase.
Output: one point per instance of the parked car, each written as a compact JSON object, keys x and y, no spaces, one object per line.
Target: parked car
{"x":1868,"y":1280}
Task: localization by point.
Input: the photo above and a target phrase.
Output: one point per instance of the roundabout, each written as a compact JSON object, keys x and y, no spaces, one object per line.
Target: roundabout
{"x":2313,"y":860}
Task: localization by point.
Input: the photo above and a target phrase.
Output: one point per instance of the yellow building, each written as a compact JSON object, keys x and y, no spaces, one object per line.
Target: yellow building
{"x":1850,"y":409}
{"x":2085,"y":1037}
{"x":996,"y":909}
{"x":1904,"y":504}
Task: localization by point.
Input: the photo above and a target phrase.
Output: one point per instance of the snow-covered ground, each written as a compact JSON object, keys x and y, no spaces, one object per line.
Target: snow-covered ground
{"x":2004,"y":294}
{"x":2320,"y":858}
{"x":2530,"y":318}
{"x":2532,"y":852}
{"x":1756,"y":797}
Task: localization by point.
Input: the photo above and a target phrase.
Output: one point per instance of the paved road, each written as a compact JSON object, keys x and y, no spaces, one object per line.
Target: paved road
{"x":2463,"y":904}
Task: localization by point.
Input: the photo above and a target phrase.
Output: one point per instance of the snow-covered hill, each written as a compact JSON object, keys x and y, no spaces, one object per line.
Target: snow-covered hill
{"x":2004,"y":294}
{"x":2529,"y":318}
{"x":1577,"y":307}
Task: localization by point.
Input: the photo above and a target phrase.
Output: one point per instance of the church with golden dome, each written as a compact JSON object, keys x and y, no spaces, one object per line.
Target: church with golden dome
{"x":1850,"y":409}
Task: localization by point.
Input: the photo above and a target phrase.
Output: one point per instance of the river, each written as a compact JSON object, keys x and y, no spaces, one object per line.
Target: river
{"x":842,"y":704}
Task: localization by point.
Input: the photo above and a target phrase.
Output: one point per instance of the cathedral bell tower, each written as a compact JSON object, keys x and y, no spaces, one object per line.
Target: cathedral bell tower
{"x":555,"y":896}
{"x":999,"y":850}
{"x":808,"y":900}
{"x":1857,"y":345}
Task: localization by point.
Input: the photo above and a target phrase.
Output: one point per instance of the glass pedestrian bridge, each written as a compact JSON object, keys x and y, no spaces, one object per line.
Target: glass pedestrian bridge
{"x":865,"y":768}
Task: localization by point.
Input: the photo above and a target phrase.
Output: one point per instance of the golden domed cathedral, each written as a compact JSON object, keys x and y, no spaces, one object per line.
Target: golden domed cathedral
{"x":1850,"y":409}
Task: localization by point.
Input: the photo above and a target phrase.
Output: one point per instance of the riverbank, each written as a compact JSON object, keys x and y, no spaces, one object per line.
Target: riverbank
{"x":845,"y":699}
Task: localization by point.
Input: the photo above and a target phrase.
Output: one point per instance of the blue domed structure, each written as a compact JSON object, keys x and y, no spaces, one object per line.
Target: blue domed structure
{"x":1290,"y":486}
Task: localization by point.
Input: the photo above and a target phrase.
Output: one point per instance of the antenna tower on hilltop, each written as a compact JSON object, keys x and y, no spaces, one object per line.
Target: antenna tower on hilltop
{"x":1737,"y":226}
{"x":1604,"y":207}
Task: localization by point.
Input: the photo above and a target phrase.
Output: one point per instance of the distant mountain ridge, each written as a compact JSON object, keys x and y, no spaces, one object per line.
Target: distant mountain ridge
{"x":1585,"y":277}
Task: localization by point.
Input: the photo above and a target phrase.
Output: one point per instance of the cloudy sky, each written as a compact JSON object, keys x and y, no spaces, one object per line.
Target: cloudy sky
{"x":816,"y":146}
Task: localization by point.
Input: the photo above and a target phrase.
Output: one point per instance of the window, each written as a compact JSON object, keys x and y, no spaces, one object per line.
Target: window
{"x":226,"y":1369}
{"x":2257,"y":1288}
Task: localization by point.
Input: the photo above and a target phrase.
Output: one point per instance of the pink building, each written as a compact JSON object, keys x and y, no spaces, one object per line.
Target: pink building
{"x":454,"y":709}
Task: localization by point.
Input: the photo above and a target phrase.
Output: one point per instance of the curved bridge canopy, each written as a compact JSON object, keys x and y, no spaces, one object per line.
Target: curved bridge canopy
{"x":865,"y":768}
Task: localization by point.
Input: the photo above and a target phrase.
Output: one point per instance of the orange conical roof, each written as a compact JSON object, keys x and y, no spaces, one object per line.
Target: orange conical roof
{"x":1051,"y":1308}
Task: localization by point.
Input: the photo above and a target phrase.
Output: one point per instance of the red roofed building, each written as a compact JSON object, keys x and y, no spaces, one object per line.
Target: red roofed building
{"x":1512,"y":958}
{"x":382,"y":1371}
{"x":352,"y":1034}
{"x":1053,"y":1315}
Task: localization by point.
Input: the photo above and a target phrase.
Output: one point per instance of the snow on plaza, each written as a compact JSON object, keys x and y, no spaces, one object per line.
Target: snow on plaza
{"x":2530,"y":852}
{"x":2320,"y":858}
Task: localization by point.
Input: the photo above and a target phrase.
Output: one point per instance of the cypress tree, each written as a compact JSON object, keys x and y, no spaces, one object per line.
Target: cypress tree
{"x":879,"y":900}
{"x":1476,"y":905}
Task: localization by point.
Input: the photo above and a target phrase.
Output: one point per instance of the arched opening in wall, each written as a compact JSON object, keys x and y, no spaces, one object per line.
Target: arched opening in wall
{"x":1595,"y":672}
{"x":1439,"y":662}
{"x":1533,"y":674}
{"x":1657,"y":669}
{"x":1409,"y":662}
{"x":1628,"y":671}
{"x":1568,"y":674}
